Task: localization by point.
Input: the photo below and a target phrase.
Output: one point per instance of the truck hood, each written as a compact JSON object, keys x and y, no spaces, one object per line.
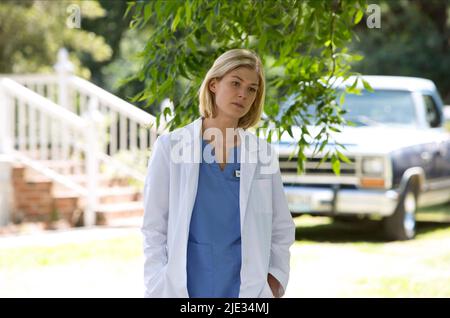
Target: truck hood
{"x":369,"y":139}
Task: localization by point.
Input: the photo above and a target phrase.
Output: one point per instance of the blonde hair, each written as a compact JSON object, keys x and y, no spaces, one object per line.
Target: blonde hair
{"x":224,"y":64}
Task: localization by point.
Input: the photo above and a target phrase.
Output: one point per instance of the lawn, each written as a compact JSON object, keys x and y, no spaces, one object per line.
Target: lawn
{"x":328,"y":260}
{"x":353,"y":259}
{"x":109,"y":250}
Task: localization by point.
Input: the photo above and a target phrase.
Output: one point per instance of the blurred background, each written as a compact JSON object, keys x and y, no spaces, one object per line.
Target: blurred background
{"x":70,"y":211}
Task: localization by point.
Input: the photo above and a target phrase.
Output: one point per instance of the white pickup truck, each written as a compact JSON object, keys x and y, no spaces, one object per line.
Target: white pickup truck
{"x":399,"y":153}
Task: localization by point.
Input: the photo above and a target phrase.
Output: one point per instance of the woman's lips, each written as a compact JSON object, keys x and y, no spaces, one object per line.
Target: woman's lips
{"x":239,"y":105}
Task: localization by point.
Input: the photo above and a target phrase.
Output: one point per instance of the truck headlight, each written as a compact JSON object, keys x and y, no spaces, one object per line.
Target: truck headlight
{"x":373,"y":166}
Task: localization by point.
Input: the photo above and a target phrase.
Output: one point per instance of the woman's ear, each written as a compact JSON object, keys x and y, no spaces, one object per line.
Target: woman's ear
{"x":212,"y":85}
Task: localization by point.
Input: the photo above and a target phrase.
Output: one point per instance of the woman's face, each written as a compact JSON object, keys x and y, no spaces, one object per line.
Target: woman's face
{"x":235,"y":92}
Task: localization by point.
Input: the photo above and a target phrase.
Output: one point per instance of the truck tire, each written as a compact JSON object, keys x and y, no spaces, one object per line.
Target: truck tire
{"x":401,"y":225}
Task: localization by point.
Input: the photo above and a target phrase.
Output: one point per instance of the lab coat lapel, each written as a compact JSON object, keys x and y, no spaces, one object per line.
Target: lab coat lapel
{"x":192,"y":169}
{"x":249,"y":159}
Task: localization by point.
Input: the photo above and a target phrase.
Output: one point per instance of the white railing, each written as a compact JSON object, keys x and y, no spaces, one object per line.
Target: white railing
{"x":125,"y":127}
{"x":51,"y":118}
{"x":36,"y":131}
{"x":46,"y":85}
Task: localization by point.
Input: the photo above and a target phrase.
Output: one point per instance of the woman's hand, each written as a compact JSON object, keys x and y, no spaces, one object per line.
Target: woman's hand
{"x":275,"y":286}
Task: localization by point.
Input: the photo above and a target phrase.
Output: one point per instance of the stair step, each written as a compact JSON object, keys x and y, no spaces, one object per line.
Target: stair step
{"x":110,"y":213}
{"x":67,"y":194}
{"x":66,"y":206}
{"x":103,"y":180}
{"x":105,"y":195}
{"x":38,"y":179}
{"x":117,"y":208}
{"x":118,"y":194}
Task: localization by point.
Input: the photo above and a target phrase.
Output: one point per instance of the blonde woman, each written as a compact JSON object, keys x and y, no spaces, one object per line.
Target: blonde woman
{"x":216,"y":220}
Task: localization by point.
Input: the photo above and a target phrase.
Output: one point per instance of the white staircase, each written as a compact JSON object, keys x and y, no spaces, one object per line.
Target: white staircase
{"x":91,"y":144}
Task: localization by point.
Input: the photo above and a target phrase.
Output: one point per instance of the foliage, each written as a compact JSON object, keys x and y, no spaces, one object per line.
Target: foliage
{"x":31,"y":33}
{"x":112,"y":26}
{"x":124,"y":65}
{"x":412,"y":41}
{"x":302,"y":45}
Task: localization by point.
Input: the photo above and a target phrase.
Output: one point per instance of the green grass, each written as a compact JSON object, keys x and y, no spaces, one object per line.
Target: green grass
{"x":439,"y":263}
{"x":402,"y":286}
{"x":115,"y":249}
{"x":426,"y":259}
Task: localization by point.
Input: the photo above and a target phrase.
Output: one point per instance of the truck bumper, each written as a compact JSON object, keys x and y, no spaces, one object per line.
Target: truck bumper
{"x":330,"y":201}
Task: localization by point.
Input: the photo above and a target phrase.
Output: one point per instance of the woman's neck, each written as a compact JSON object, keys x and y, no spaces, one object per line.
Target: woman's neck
{"x":226,"y":126}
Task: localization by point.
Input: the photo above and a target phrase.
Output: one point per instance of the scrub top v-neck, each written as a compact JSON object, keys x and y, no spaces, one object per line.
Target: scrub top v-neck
{"x":214,"y":245}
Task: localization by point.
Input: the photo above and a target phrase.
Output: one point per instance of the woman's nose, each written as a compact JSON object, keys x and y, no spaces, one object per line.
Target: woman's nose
{"x":242,"y":93}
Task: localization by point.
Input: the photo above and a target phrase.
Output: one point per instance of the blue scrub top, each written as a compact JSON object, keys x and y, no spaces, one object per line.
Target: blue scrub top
{"x":214,"y":245}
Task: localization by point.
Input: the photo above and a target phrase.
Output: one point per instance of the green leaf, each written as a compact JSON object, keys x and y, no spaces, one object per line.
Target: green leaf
{"x":209,"y":24}
{"x":262,"y":42}
{"x":334,"y":129}
{"x":130,"y":6}
{"x":147,"y":12}
{"x":269,"y":136}
{"x":342,"y":99}
{"x":177,"y":19}
{"x":167,"y":112}
{"x":300,"y":166}
{"x":367,"y":86}
{"x":191,"y":44}
{"x":359,"y":15}
{"x":289,"y":130}
{"x":343,"y":158}
{"x":324,"y":158}
{"x":158,"y":120}
{"x":188,"y":14}
{"x":335,"y":165}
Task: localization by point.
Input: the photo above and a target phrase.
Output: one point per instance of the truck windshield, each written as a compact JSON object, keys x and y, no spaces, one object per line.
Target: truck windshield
{"x":380,"y":107}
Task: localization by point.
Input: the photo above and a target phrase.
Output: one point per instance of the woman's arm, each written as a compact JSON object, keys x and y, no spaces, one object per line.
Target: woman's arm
{"x":156,"y":209}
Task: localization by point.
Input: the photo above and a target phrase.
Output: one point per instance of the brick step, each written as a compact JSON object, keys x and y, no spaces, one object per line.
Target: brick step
{"x":103,"y":180}
{"x":61,"y":166}
{"x":38,"y":198}
{"x":106,"y":195}
{"x":66,"y":206}
{"x":116,"y":213}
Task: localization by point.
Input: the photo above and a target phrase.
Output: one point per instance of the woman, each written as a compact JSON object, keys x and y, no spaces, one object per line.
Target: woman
{"x":216,"y":220}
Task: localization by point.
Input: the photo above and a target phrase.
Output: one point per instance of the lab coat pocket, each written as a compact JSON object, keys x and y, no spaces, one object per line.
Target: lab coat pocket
{"x":200,"y":270}
{"x":263,"y":195}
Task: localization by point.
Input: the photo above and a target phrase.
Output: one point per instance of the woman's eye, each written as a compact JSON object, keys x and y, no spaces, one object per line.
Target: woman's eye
{"x":251,"y":89}
{"x":235,"y":83}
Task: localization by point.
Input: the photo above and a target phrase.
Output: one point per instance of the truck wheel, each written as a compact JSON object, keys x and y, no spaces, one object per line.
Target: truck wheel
{"x":402,"y":224}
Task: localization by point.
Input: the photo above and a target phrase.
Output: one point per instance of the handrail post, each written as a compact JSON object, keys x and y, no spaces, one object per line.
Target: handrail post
{"x":92,"y":160}
{"x":6,"y":122}
{"x":6,"y":145}
{"x":64,"y":69}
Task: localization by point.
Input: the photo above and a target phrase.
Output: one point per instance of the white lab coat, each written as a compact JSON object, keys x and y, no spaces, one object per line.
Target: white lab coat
{"x":267,"y":229}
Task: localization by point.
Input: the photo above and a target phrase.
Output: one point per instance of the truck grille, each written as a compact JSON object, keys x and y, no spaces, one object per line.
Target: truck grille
{"x":314,"y":167}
